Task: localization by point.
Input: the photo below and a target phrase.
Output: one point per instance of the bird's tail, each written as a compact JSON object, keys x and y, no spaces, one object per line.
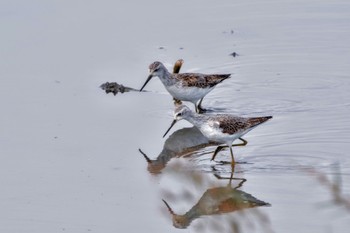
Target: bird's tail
{"x":258,"y":120}
{"x":223,"y":76}
{"x":216,"y":79}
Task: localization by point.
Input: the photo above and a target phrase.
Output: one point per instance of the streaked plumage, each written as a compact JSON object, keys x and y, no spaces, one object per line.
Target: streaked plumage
{"x":222,"y":128}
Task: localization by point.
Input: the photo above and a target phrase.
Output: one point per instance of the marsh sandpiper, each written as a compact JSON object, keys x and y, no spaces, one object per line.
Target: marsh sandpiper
{"x":221,"y":128}
{"x":190,"y":87}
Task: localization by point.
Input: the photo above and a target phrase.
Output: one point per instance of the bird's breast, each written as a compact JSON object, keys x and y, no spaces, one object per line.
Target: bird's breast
{"x":192,"y":94}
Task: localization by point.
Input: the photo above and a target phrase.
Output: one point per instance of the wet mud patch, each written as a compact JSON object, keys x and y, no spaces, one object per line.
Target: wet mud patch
{"x":115,"y":88}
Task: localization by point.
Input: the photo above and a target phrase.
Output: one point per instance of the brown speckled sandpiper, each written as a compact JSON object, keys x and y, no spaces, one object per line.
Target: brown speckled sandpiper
{"x":221,"y":128}
{"x":190,"y":87}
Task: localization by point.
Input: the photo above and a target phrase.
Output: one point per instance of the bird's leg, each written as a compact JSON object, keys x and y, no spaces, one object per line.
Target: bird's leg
{"x":233,"y":159}
{"x":199,"y":106}
{"x":242,"y":180}
{"x":218,"y":149}
{"x":245,"y":142}
{"x":240,"y":183}
{"x":196,"y":108}
{"x":200,"y":103}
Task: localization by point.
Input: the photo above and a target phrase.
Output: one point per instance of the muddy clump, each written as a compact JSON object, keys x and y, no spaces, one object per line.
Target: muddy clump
{"x":115,"y":88}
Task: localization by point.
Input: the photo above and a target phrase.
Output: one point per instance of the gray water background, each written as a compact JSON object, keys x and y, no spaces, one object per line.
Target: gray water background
{"x":69,"y":153}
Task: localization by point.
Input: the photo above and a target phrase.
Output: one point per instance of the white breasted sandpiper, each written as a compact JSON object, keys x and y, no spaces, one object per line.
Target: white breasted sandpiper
{"x":190,"y":87}
{"x":221,"y":128}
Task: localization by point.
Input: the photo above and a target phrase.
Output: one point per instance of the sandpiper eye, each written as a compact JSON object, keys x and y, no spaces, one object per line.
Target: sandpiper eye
{"x":155,"y":70}
{"x":179,"y":114}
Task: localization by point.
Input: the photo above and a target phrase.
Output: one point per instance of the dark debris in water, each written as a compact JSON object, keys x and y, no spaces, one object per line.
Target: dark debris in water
{"x":230,"y":31}
{"x":115,"y":88}
{"x":234,"y":54}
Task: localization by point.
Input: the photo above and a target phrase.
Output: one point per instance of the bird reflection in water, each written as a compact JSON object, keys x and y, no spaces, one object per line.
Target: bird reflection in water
{"x":215,"y":201}
{"x":182,"y":143}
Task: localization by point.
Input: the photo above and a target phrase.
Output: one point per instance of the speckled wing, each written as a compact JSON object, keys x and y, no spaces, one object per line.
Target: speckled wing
{"x":201,"y":80}
{"x":257,"y":120}
{"x":232,"y":125}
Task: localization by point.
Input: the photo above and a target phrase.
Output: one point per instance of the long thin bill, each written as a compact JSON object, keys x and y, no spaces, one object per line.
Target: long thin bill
{"x":172,"y":124}
{"x":146,"y":157}
{"x":168,"y":206}
{"x":149,"y":78}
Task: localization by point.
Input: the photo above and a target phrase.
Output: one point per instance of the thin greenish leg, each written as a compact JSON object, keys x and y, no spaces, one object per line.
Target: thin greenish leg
{"x":218,"y":149}
{"x":200,"y":109}
{"x":233,"y":159}
{"x":245,"y":142}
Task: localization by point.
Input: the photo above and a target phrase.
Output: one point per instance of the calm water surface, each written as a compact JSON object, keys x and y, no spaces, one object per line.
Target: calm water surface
{"x":70,"y":154}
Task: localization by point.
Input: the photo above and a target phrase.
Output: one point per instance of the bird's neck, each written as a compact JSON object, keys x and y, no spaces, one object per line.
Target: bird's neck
{"x":167,"y":78}
{"x":192,"y":214}
{"x":195,"y":119}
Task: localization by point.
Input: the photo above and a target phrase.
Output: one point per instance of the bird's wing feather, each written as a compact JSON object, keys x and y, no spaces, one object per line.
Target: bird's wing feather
{"x":232,"y":125}
{"x":201,"y":80}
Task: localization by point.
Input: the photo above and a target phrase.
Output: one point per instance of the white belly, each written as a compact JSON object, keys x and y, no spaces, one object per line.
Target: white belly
{"x":216,"y":135}
{"x":192,"y":94}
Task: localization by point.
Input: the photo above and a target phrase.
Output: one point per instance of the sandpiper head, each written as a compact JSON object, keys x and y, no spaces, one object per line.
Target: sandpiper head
{"x":155,"y":69}
{"x":154,"y":166}
{"x":181,"y":112}
{"x":179,"y":221}
{"x":155,"y":66}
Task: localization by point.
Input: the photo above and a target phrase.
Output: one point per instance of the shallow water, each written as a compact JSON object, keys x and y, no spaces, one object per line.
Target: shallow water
{"x":70,"y":159}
